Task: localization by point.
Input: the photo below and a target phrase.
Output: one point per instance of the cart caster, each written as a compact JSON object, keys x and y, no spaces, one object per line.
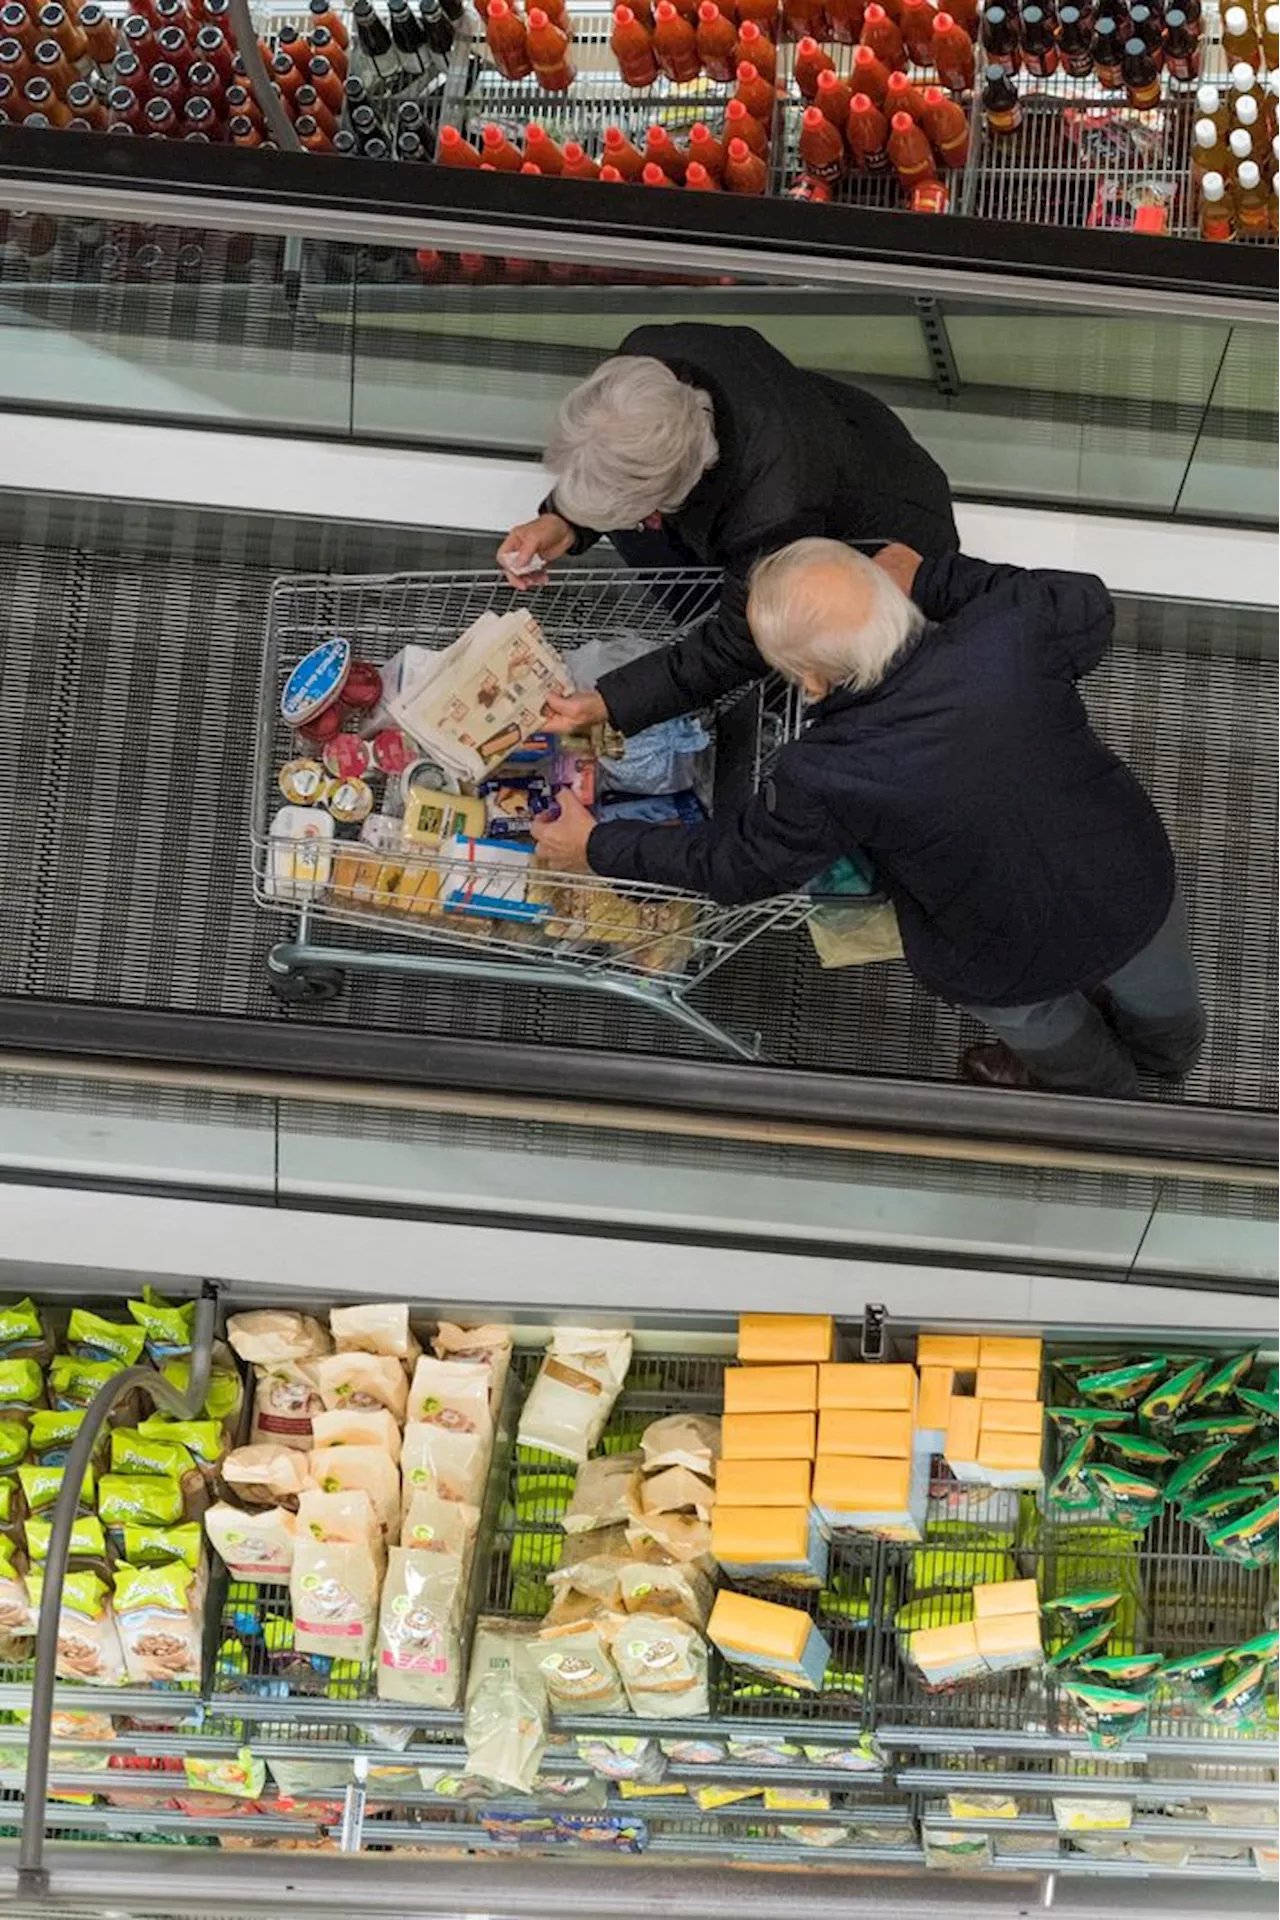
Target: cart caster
{"x":305,"y":986}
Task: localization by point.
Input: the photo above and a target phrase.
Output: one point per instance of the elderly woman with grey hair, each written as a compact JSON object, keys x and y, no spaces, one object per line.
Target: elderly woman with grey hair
{"x":703,"y":446}
{"x":1033,"y":878}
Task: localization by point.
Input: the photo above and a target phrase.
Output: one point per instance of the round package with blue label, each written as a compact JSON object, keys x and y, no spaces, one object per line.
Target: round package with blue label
{"x":315,"y":682}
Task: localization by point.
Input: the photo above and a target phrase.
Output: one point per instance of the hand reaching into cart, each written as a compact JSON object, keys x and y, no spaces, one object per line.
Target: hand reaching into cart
{"x":563,"y":833}
{"x":529,"y":549}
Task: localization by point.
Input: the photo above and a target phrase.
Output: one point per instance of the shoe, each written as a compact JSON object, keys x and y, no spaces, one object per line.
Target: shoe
{"x":991,"y":1064}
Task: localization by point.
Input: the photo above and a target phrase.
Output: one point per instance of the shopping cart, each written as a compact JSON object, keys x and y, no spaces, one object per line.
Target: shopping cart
{"x":650,"y":945}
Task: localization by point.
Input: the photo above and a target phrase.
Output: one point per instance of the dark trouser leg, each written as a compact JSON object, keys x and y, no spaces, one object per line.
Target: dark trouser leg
{"x":1157,"y":1010}
{"x":1066,"y":1044}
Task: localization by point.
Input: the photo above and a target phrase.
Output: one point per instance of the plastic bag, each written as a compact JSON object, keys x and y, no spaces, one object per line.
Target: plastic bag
{"x":575,"y":1391}
{"x":505,"y":1727}
{"x":661,"y":759}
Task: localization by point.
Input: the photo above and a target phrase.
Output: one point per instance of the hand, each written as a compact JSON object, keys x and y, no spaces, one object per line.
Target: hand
{"x":562,"y":835}
{"x":574,"y":712}
{"x":527,"y":548}
{"x":900,"y":563}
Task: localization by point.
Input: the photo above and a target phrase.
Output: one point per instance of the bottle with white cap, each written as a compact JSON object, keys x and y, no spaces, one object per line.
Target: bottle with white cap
{"x":1271,"y":37}
{"x":1239,"y":41}
{"x":1216,"y":221}
{"x":1247,"y":118}
{"x":1209,"y":151}
{"x":1244,"y":79}
{"x":1251,"y":199}
{"x":1241,"y":145}
{"x":1210,"y":105}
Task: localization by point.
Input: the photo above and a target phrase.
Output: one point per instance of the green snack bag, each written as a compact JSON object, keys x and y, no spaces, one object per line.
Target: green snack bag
{"x":1250,"y":1538}
{"x":6,"y":1500}
{"x":23,"y":1332}
{"x":1121,"y":1669}
{"x":225,"y":1392}
{"x":157,"y":1546}
{"x":1083,"y":1645}
{"x":14,"y":1437}
{"x":1134,"y":1450}
{"x":1194,"y":1471}
{"x":21,"y":1386}
{"x":1199,"y":1671}
{"x":139,"y":1499}
{"x":1160,"y":1407}
{"x":73,"y":1383}
{"x":204,"y":1440}
{"x":1263,"y":1646}
{"x":90,"y":1337}
{"x":1221,"y":1384}
{"x":1206,"y":1428}
{"x":1069,"y":1487}
{"x":1109,"y":1715}
{"x":1084,"y":1608}
{"x":1073,"y":1423}
{"x":166,"y":1327}
{"x":88,"y":1542}
{"x":1264,"y":1455}
{"x":1206,"y":1510}
{"x":1123,"y":1386}
{"x":133,"y":1452}
{"x":1266,"y":1404}
{"x":1243,"y":1695}
{"x":159,"y":1625}
{"x":962,"y":1564}
{"x":1130,"y":1498}
{"x":41,"y":1485}
{"x":1072,"y":1365}
{"x":52,"y":1432}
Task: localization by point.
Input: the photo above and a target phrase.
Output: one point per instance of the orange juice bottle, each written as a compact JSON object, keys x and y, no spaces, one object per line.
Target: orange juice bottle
{"x":1217,"y":221}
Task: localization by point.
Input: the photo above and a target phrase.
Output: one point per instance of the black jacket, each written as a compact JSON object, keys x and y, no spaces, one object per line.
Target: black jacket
{"x":799,"y":455}
{"x":1024,"y":858}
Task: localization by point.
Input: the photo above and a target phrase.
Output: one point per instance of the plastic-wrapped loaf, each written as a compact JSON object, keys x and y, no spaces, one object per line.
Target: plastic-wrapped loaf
{"x":575,"y":1391}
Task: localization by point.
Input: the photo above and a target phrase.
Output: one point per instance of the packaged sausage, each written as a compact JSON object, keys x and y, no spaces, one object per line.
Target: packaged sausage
{"x":419,"y":1651}
{"x":382,"y":1329}
{"x":362,"y":1380}
{"x":451,"y":1393}
{"x":160,"y":1621}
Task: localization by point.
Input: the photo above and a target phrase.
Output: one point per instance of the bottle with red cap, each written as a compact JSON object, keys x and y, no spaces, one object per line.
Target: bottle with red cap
{"x":756,"y":49}
{"x":541,"y":151}
{"x":867,"y":133}
{"x":947,"y":126}
{"x":700,"y":179}
{"x":903,"y":96}
{"x":548,"y":48}
{"x":910,"y":154}
{"x":834,"y":97}
{"x":870,"y":75}
{"x":508,"y":42}
{"x":822,"y":151}
{"x":717,"y":40}
{"x":612,"y":178}
{"x":497,"y":151}
{"x":652,"y":175}
{"x":632,"y":48}
{"x":755,"y":93}
{"x":744,"y":171}
{"x":661,"y":151}
{"x":810,"y":61}
{"x":882,"y":36}
{"x":578,"y":164}
{"x":621,"y":156}
{"x":844,"y":20}
{"x":675,"y":44}
{"x":741,"y":125}
{"x":705,"y":149}
{"x":916,"y":26}
{"x":453,"y":151}
{"x":952,"y":53}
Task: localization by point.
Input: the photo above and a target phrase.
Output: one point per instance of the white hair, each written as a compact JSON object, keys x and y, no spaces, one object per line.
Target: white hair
{"x":795,"y":614}
{"x":630,"y":441}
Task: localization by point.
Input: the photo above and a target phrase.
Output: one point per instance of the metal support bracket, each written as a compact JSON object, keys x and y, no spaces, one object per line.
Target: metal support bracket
{"x":937,"y":342}
{"x":873,"y":1343}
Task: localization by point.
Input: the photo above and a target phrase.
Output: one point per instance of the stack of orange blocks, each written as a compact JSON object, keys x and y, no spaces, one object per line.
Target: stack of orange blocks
{"x":980,"y":1404}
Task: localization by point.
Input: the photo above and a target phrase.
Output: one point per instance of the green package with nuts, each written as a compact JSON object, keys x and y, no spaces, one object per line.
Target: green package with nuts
{"x":91,"y":1337}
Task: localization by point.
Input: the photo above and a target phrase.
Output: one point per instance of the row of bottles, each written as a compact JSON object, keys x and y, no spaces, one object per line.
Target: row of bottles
{"x":1119,"y":45}
{"x":734,"y":158}
{"x":1244,"y":207}
{"x":917,"y":131}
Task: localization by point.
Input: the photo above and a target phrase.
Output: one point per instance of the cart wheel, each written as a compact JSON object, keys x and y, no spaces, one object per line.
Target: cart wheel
{"x":306,"y":986}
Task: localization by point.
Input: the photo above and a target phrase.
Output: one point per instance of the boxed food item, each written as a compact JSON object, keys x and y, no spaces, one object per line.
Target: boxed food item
{"x":1008,"y":1641}
{"x":882,"y":1496}
{"x":763,"y":1483}
{"x":933,"y":1407}
{"x":872,"y":1388}
{"x":781,"y":1642}
{"x":1010,"y":1350}
{"x":1006,"y":1383}
{"x":778,"y":1338}
{"x":959,"y":1351}
{"x":780,"y":1389}
{"x":947,"y":1654}
{"x":769,"y":1436}
{"x":786,"y":1544}
{"x":885,"y":1436}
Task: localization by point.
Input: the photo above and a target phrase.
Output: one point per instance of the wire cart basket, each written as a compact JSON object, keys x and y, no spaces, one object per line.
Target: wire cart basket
{"x":647,"y":944}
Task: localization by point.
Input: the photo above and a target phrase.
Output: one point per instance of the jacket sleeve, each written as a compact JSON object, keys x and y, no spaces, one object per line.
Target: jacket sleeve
{"x":776,"y":844}
{"x":1072,"y":611}
{"x":717,"y":657}
{"x":584,"y":538}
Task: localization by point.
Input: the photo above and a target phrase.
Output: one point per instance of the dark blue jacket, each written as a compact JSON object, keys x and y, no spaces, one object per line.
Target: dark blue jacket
{"x":1024,"y":859}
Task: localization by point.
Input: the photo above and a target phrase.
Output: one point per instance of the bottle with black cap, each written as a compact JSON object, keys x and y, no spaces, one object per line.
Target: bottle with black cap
{"x":1141,"y":74}
{"x":999,"y":33}
{"x":437,"y":27}
{"x":410,"y":145}
{"x":1001,"y":107}
{"x":1181,"y":46}
{"x":1075,"y":43}
{"x":1039,"y":50}
{"x":371,"y":32}
{"x":1144,"y":26}
{"x":407,"y":33}
{"x":1108,"y":52}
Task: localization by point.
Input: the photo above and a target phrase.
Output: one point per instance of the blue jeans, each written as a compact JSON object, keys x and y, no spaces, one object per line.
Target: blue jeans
{"x":1154,"y":1022}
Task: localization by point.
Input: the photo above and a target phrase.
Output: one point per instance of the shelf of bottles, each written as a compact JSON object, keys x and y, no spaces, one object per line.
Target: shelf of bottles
{"x":1126,"y":114}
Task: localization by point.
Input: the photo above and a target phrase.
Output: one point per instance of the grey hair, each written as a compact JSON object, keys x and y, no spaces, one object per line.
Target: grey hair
{"x":630,"y":441}
{"x":795,"y":618}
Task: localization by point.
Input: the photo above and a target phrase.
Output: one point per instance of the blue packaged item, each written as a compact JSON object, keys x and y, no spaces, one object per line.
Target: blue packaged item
{"x":489,"y":880}
{"x":656,"y":809}
{"x":657,"y":760}
{"x":512,"y":803}
{"x":316,"y":680}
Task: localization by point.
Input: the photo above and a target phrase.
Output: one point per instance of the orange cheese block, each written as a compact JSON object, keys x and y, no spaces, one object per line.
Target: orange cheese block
{"x":1011,"y":1416}
{"x":762,"y":1483}
{"x":964,"y":1426}
{"x":958,"y":1350}
{"x":1005,"y":1350}
{"x":884,"y":1436}
{"x":934,"y":1405}
{"x":992,"y":1598}
{"x":873,"y":1388}
{"x":772,"y":1339}
{"x":759,"y":1634}
{"x":770,"y":1389}
{"x":1006,"y":1383}
{"x":768,"y":1436}
{"x":1010,"y":1452}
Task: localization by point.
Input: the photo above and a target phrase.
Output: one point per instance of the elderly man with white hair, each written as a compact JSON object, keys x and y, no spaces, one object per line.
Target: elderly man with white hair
{"x":704,"y":446}
{"x":1032,"y":876}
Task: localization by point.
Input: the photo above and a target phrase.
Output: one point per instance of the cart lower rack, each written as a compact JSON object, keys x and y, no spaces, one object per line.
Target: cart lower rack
{"x":420,"y":911}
